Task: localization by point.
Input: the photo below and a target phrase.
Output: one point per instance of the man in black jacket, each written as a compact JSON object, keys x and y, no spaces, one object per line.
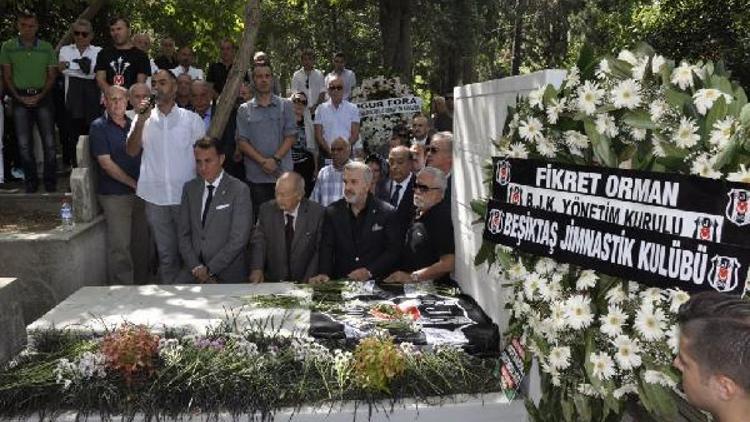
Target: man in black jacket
{"x":361,"y":235}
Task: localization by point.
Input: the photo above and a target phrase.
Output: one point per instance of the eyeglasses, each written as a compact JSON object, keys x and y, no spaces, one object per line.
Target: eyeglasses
{"x":299,"y":100}
{"x":432,"y":149}
{"x":335,"y":87}
{"x":423,"y":188}
{"x":80,"y":34}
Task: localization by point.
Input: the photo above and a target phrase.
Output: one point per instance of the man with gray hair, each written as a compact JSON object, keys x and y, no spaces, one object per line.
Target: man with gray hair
{"x":429,"y":249}
{"x":77,"y":63}
{"x":284,"y":244}
{"x":136,"y":94}
{"x":361,"y":235}
{"x":439,"y":154}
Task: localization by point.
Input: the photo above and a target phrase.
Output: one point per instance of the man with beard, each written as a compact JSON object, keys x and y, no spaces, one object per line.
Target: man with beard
{"x":429,"y":249}
{"x":185,"y":58}
{"x":165,"y":134}
{"x":122,"y":64}
{"x":266,"y":130}
{"x":361,"y":236}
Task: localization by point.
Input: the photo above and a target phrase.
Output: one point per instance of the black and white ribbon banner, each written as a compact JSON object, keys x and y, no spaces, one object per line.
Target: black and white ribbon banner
{"x":684,"y":206}
{"x":652,"y":258}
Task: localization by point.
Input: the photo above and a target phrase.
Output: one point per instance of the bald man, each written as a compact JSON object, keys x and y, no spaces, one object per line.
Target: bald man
{"x":284,"y":243}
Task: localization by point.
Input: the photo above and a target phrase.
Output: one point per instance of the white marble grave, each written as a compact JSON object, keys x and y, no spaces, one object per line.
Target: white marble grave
{"x":190,"y":306}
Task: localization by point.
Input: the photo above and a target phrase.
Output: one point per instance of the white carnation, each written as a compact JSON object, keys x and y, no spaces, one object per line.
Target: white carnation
{"x":686,"y":135}
{"x":602,"y":365}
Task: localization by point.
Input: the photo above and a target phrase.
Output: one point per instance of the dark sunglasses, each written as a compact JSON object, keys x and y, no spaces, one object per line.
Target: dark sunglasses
{"x":299,"y":100}
{"x":80,"y":33}
{"x":336,"y":87}
{"x":423,"y":188}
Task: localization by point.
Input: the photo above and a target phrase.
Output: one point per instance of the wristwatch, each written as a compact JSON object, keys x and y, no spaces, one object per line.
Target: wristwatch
{"x":277,"y":159}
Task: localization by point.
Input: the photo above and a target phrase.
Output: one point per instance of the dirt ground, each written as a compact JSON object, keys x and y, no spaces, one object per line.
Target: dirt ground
{"x":27,"y":221}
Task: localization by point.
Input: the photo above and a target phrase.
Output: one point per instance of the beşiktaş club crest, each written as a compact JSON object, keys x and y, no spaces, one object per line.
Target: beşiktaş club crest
{"x":705,"y":229}
{"x":502,"y":172}
{"x":723,"y":274}
{"x":737,"y":207}
{"x":515,"y":195}
{"x":495,"y":221}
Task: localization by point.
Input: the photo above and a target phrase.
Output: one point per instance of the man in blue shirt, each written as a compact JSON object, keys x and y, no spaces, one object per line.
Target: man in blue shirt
{"x":266,"y":130}
{"x":118,"y":173}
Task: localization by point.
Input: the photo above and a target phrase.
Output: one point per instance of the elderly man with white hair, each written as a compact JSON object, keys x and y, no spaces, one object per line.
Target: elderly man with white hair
{"x":361,"y":235}
{"x":429,"y":249}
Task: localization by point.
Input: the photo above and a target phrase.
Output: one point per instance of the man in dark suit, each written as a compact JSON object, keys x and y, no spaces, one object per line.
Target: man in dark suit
{"x":361,"y":235}
{"x":284,"y":243}
{"x":215,"y":220}
{"x":400,"y":186}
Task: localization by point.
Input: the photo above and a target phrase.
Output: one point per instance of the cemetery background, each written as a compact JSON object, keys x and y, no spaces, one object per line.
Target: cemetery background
{"x":477,"y":96}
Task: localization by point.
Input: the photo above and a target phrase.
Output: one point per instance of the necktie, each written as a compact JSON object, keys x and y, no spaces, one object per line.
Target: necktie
{"x":289,"y":235}
{"x":209,"y":198}
{"x":394,"y":195}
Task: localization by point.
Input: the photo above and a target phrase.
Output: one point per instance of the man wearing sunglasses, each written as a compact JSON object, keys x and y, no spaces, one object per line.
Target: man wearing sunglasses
{"x":439,"y":154}
{"x":336,"y":118}
{"x":77,"y":62}
{"x":429,"y":248}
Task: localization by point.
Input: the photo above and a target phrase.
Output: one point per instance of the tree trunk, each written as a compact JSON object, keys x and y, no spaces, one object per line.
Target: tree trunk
{"x":515,"y":63}
{"x":88,"y":14}
{"x":228,"y":97}
{"x":395,"y":32}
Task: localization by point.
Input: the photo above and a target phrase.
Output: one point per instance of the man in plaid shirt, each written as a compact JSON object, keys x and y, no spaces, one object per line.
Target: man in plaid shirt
{"x":329,"y":186}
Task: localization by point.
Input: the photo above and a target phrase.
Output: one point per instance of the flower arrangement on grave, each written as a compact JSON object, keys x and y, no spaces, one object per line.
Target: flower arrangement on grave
{"x":256,"y":370}
{"x":601,"y":340}
{"x":376,"y":130}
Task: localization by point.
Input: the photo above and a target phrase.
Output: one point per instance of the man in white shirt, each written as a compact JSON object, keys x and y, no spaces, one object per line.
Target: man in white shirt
{"x":336,"y":118}
{"x":185,"y":58}
{"x":310,"y":81}
{"x":339,"y":69}
{"x":77,"y":63}
{"x":166,"y":135}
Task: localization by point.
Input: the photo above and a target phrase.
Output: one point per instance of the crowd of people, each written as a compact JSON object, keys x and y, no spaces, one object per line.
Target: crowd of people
{"x":283,"y":194}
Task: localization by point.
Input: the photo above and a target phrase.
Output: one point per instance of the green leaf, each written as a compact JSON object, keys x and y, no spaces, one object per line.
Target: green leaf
{"x":568,"y":409}
{"x":505,"y":258}
{"x":722,"y":84}
{"x":479,"y":206}
{"x":485,"y":251}
{"x":740,"y":99}
{"x":620,"y":69}
{"x":676,"y":98}
{"x":583,"y":407}
{"x":745,"y":117}
{"x":728,"y":154}
{"x":639,"y":119}
{"x":717,"y":112}
{"x":600,"y":144}
{"x":549,"y":94}
{"x":586,"y":62}
{"x":657,"y":399}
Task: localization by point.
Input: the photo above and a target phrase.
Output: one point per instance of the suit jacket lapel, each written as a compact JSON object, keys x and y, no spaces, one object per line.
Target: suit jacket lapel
{"x":300,"y":226}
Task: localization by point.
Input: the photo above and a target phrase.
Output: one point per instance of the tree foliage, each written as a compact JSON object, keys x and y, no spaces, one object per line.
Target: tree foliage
{"x":450,"y":42}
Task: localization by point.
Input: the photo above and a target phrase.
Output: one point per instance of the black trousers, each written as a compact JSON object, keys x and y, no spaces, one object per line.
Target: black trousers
{"x":260,"y":193}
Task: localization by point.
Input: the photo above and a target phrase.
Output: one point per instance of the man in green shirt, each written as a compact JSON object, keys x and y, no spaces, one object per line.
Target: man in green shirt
{"x":29,"y":70}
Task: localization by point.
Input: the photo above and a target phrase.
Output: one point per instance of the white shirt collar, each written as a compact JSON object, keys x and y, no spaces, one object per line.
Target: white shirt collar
{"x":404,"y":183}
{"x":293,"y":213}
{"x":216,"y":182}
